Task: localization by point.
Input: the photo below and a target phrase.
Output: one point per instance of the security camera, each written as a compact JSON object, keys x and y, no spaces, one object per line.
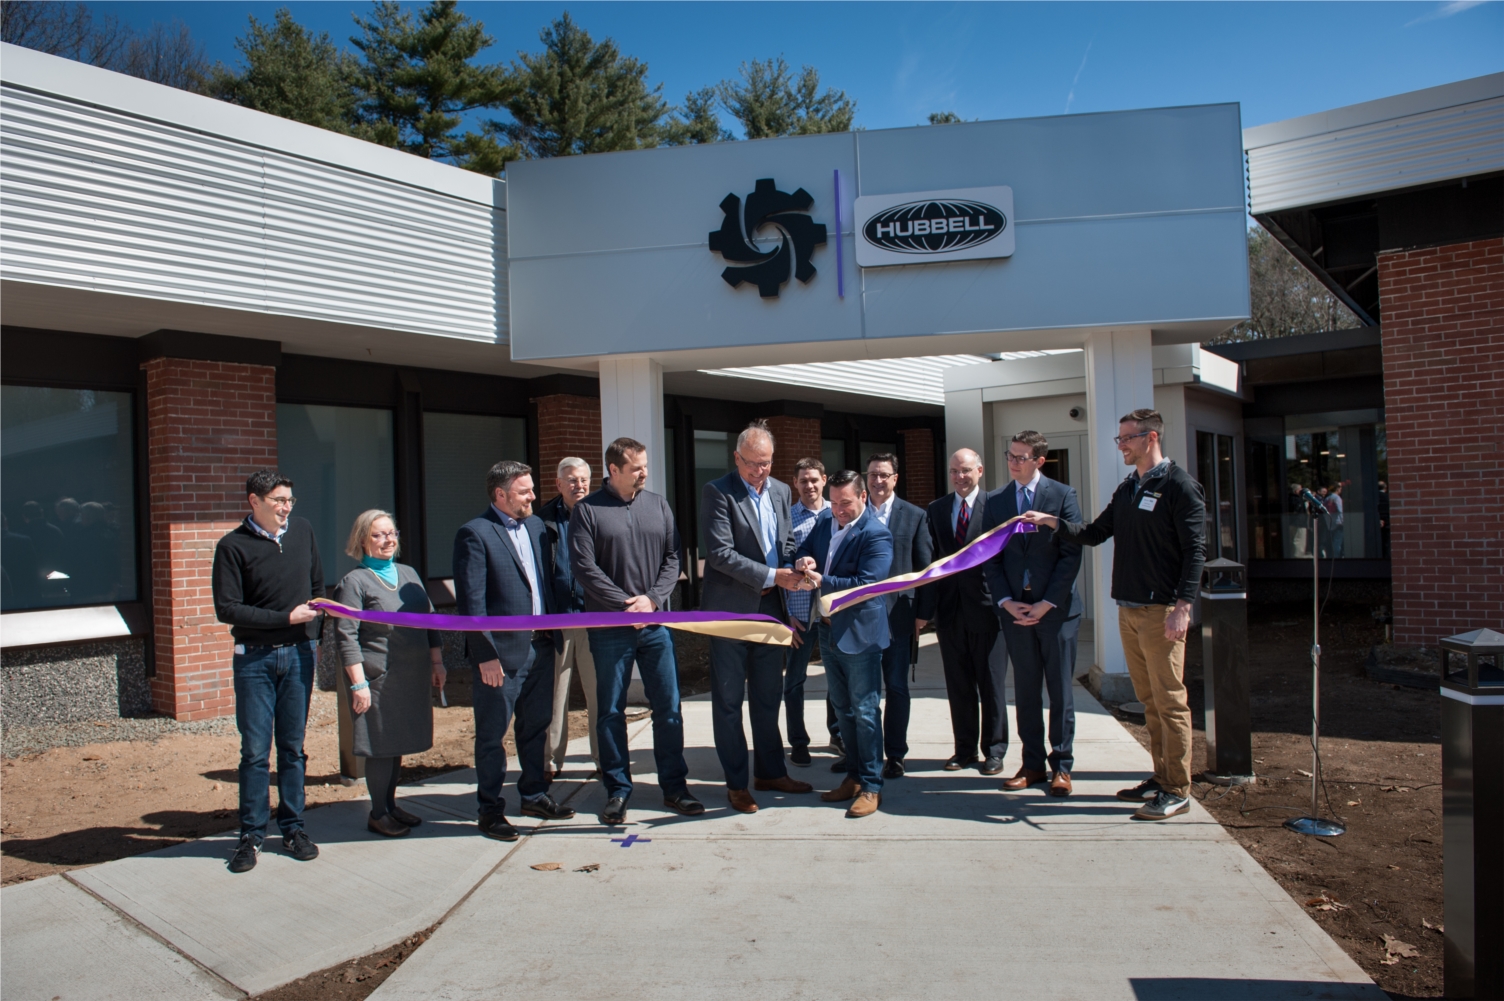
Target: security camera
{"x":1078,"y":413}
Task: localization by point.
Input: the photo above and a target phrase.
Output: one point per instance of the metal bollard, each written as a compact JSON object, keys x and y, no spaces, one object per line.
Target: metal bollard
{"x":1472,"y":803}
{"x":1224,"y":657}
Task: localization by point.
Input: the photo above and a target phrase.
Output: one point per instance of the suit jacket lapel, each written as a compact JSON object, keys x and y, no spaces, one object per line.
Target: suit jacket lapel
{"x":506,"y":543}
{"x":743,"y":498}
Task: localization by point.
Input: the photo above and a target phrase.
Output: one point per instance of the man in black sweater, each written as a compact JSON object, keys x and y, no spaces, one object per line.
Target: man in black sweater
{"x":265,"y":572}
{"x":1157,"y":517}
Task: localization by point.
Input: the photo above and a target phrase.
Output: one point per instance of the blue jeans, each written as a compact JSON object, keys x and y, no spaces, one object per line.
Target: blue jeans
{"x":652,"y":648}
{"x":856,"y":687}
{"x":272,"y":688}
{"x":795,"y":673}
{"x":753,"y":670}
{"x":527,"y":693}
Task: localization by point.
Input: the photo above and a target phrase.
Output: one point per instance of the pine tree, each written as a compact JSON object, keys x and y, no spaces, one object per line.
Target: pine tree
{"x":291,"y":72}
{"x":944,"y":118}
{"x":769,"y":101}
{"x":581,"y":96}
{"x":696,"y":121}
{"x":417,"y":81}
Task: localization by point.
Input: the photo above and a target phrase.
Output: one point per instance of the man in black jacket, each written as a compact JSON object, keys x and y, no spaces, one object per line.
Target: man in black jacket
{"x":1033,"y":584}
{"x":265,"y":572}
{"x":1157,"y":519}
{"x":573,"y":483}
{"x":966,"y":624}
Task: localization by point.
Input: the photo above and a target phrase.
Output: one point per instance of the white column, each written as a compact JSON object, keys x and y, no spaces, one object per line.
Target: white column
{"x":1119,"y":379}
{"x":632,"y":407}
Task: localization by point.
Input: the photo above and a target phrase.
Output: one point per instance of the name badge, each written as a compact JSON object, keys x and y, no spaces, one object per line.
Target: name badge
{"x":1147,"y":504}
{"x":240,"y":648}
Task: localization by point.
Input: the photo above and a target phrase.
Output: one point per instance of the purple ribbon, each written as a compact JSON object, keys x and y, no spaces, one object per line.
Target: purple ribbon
{"x":528,"y":623}
{"x":974,"y":554}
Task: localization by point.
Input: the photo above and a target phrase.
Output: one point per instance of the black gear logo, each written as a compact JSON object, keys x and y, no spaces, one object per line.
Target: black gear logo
{"x":799,"y":235}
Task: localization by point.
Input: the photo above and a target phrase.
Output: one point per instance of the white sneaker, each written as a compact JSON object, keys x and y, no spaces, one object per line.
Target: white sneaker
{"x":1163,"y":807}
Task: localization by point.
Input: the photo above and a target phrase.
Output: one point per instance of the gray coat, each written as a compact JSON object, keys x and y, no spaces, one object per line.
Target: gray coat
{"x":400,"y":720}
{"x":735,"y":565}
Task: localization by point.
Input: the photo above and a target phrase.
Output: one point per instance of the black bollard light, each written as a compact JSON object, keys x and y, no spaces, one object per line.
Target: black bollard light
{"x":1224,"y":659}
{"x":1472,"y":805}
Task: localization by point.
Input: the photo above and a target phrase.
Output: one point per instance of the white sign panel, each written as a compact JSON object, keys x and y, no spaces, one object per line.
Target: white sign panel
{"x":924,"y":227}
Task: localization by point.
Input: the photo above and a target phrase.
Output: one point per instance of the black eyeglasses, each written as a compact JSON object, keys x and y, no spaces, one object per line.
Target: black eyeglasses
{"x":1019,"y":460}
{"x":1130,"y":437}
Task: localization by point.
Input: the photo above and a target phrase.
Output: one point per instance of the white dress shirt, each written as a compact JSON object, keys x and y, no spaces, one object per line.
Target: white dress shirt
{"x":883,"y":510}
{"x":838,"y":536}
{"x":971,"y":507}
{"x":517,"y":532}
{"x":1026,"y":492}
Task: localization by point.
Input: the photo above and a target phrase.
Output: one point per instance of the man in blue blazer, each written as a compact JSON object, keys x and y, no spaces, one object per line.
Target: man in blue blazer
{"x":749,"y":552}
{"x":1033,"y":583}
{"x":850,"y":549}
{"x":503,"y":565}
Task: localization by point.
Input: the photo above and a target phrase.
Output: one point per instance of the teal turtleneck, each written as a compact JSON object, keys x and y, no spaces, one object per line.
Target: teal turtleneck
{"x":385,"y":569}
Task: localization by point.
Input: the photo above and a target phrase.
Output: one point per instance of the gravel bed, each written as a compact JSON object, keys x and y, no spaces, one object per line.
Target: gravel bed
{"x":16,"y":741}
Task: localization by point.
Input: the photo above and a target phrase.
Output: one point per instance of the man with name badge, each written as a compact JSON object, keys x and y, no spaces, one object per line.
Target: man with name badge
{"x":1157,"y":521}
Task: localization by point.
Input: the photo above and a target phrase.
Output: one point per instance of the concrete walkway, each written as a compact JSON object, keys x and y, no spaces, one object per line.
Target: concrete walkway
{"x":955,"y":888}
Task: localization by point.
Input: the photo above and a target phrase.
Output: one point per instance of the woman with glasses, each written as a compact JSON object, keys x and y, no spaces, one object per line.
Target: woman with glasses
{"x":390,"y":669}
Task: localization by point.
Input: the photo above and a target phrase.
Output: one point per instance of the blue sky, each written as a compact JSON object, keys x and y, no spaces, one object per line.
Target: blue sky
{"x":902,"y":60}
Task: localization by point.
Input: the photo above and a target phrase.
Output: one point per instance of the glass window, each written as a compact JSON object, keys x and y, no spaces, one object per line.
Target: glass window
{"x":1341,"y":458}
{"x":340,"y":462}
{"x":458,"y":451}
{"x":1214,"y":469}
{"x":713,"y":450}
{"x":833,"y":454}
{"x":68,"y":498}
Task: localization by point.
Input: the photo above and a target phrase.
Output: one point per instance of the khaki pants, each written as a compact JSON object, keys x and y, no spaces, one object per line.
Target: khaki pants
{"x":1157,"y":668}
{"x":574,"y":656}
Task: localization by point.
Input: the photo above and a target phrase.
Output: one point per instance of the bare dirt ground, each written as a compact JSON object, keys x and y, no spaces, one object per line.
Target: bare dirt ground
{"x":1382,"y":758}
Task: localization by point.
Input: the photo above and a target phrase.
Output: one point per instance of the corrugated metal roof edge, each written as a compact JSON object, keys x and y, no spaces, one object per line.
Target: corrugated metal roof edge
{"x":75,"y":81}
{"x":1384,"y":109}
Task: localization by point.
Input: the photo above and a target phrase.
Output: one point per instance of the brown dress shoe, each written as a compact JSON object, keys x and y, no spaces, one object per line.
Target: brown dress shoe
{"x":865,"y":806}
{"x":848,"y":789}
{"x":1060,"y":785}
{"x":386,"y":826}
{"x":785,"y":784}
{"x":741,"y":801}
{"x":1026,"y":777}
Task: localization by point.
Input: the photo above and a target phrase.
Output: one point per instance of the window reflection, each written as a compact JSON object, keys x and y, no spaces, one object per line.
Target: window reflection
{"x":68,"y":498}
{"x":459,"y":449}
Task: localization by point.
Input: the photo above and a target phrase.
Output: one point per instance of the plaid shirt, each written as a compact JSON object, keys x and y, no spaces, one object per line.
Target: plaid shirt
{"x":801,"y":602}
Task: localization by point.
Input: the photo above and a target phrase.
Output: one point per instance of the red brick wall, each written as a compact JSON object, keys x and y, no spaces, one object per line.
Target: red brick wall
{"x":209,"y":426}
{"x":794,"y":438}
{"x":1443,"y":323}
{"x":568,"y":425}
{"x":917,"y":485}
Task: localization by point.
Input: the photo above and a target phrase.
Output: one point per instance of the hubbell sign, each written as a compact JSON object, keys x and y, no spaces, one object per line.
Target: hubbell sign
{"x":925,"y":227}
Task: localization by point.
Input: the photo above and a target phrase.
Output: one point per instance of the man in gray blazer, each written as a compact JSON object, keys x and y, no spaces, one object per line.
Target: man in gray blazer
{"x":749,"y":554}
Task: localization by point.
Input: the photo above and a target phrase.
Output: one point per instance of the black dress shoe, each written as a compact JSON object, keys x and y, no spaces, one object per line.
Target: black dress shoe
{"x":799,"y":756}
{"x":546,"y":809}
{"x":404,"y":818}
{"x":839,"y":765}
{"x":494,"y":825}
{"x":684,"y":803}
{"x":956,"y":762}
{"x":615,"y":811}
{"x":992,"y":766}
{"x":837,"y":745}
{"x":893,"y":769}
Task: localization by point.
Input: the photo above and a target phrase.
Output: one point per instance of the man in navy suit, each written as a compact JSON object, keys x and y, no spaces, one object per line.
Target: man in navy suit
{"x":966,"y":623}
{"x":1033,"y":583}
{"x":850,"y":549}
{"x":907,"y":611}
{"x":504,"y":566}
{"x":749,"y":552}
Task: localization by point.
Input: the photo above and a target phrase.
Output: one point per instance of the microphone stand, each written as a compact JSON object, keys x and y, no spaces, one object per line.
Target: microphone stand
{"x":1314,"y":823}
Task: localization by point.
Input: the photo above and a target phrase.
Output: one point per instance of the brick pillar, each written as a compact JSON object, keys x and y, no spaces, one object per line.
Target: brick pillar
{"x":209,"y":426}
{"x":570,"y":425}
{"x":1443,"y":344}
{"x":794,"y":438}
{"x":918,"y":480}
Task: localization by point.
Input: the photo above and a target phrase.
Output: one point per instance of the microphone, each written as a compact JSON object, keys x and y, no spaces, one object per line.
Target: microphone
{"x":1313,"y":500}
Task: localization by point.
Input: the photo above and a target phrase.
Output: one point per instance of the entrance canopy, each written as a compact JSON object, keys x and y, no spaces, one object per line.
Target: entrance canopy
{"x":984,"y":236}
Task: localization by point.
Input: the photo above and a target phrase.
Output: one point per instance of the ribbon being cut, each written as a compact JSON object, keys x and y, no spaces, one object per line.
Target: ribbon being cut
{"x":725,"y":625}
